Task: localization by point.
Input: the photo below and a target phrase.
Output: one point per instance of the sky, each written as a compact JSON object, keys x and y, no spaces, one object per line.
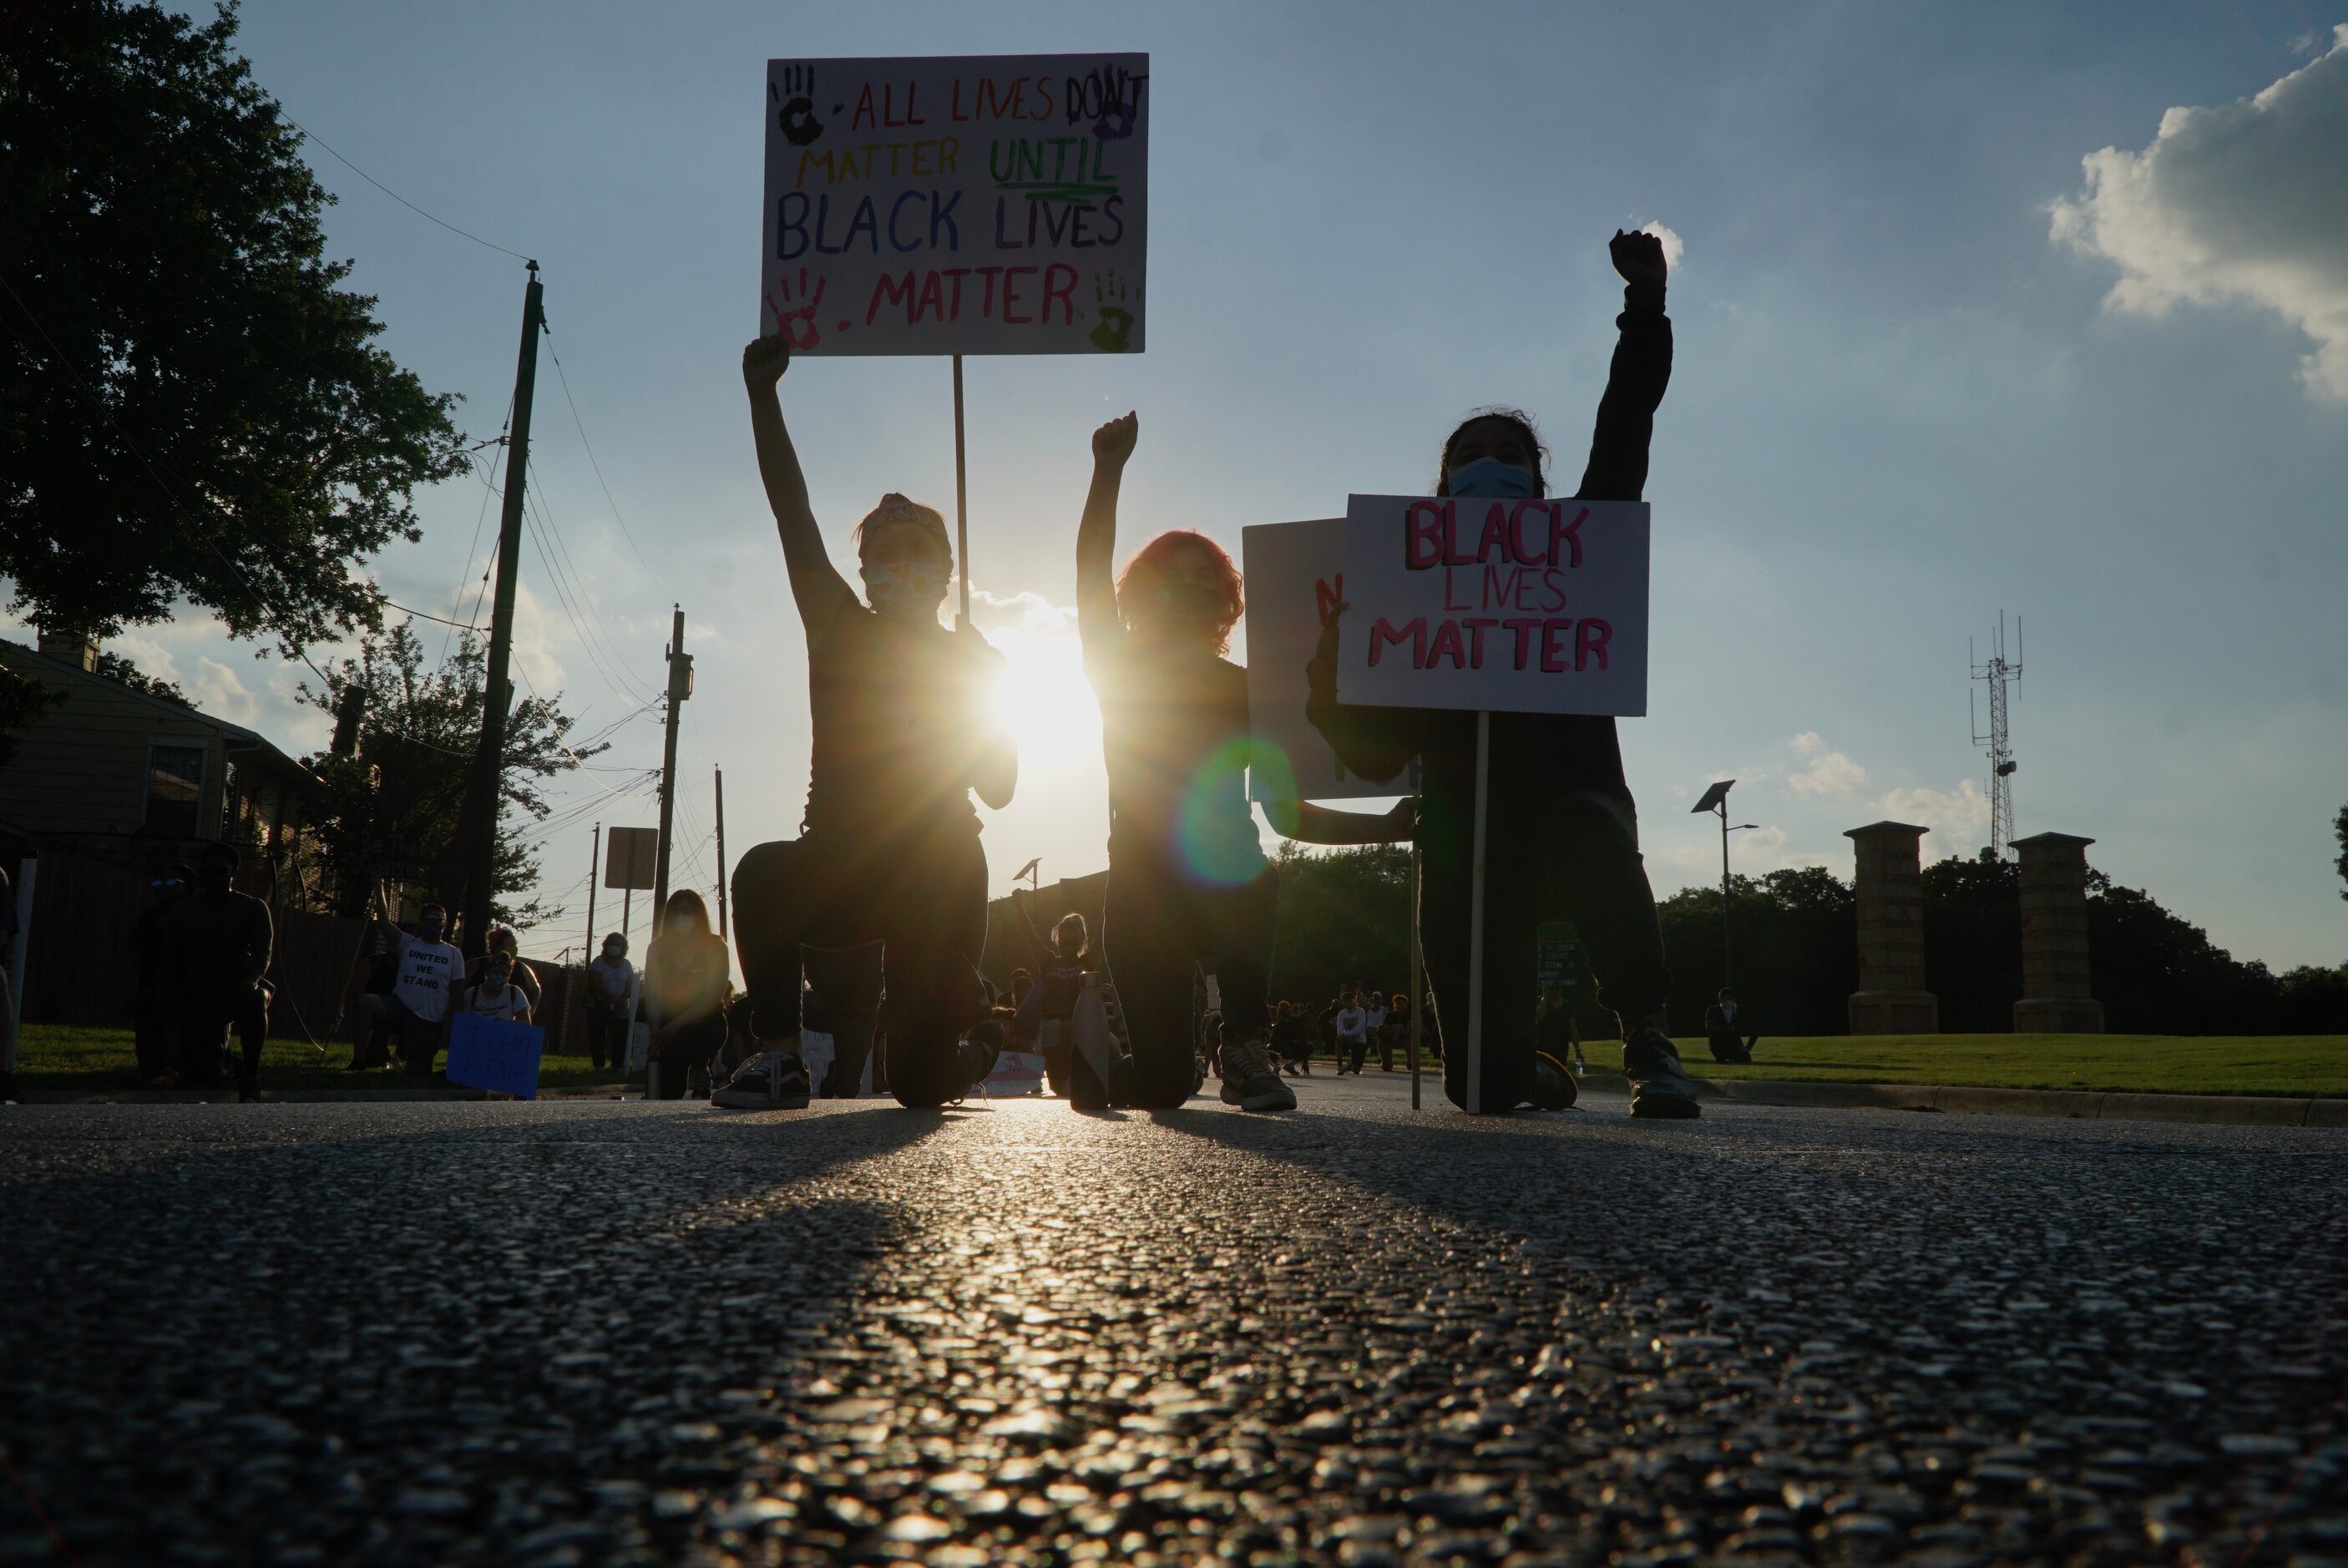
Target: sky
{"x":1978,"y":308}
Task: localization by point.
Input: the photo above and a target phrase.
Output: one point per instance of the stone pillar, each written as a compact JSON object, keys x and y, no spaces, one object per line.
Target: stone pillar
{"x":2056,"y":995}
{"x":1891,"y":998}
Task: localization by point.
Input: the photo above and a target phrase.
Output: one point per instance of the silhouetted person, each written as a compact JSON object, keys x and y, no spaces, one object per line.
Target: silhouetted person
{"x":903,"y":731}
{"x":688,"y":977}
{"x":1560,"y":815}
{"x":1728,"y":1030}
{"x":216,"y":947}
{"x":153,"y":1022}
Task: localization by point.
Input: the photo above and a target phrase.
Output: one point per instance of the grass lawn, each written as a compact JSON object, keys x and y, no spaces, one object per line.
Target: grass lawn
{"x":65,"y":1059}
{"x":2170,"y":1064}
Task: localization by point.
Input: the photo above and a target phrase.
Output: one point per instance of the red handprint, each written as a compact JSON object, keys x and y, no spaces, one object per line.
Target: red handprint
{"x":798,"y":323}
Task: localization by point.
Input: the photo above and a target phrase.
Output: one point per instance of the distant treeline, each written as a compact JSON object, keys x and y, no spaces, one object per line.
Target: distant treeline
{"x":1344,"y":918}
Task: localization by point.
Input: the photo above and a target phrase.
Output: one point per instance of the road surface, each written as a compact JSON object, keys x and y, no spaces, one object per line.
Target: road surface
{"x":596,"y":1333}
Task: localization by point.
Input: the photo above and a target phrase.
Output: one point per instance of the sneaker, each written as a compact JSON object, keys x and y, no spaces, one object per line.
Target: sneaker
{"x":1553,"y":1085}
{"x":771,"y":1080}
{"x":1250,"y":1083}
{"x":1660,"y":1089}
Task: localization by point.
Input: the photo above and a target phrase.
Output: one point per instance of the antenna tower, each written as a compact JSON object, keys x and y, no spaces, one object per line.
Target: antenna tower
{"x":1994,"y":673}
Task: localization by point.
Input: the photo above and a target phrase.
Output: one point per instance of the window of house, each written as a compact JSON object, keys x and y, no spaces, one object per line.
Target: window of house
{"x":175,"y":783}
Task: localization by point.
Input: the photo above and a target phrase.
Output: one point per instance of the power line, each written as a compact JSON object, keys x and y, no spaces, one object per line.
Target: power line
{"x":615,"y":505}
{"x":425,"y":615}
{"x":395,"y":195}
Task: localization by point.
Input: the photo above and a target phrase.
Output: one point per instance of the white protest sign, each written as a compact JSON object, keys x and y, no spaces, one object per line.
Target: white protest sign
{"x":977,"y":204}
{"x":1296,"y":575}
{"x":1514,"y":607}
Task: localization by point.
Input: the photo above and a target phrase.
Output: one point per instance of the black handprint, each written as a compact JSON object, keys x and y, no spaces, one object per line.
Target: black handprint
{"x":797,"y":121}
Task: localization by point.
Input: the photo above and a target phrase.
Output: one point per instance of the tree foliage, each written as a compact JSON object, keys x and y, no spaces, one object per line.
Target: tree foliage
{"x":122,"y":672}
{"x":2339,"y":828}
{"x":190,"y":405}
{"x":1344,"y":919}
{"x":393,"y":810}
{"x":1796,"y":939}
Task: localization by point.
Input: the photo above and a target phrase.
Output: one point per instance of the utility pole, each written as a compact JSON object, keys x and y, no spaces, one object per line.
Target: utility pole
{"x":680,"y":686}
{"x":721,"y":852}
{"x":476,"y":835}
{"x":594,"y":853}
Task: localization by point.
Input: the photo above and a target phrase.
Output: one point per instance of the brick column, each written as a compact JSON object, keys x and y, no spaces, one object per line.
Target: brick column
{"x":2056,"y":995}
{"x":1891,"y":998}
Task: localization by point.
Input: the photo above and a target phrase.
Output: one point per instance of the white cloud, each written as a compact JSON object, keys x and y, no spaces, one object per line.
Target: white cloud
{"x":2245,"y":201}
{"x":1828,"y":772}
{"x":1959,"y":817}
{"x":147,"y":655}
{"x":217,"y":691}
{"x":1026,"y":612}
{"x":1673,"y":248}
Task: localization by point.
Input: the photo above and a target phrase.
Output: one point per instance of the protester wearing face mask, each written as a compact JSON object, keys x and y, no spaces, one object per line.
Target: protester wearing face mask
{"x":502,"y":939}
{"x":425,"y":984}
{"x":1557,"y":795}
{"x":1190,"y":888}
{"x":902,"y":714}
{"x":497,"y":995}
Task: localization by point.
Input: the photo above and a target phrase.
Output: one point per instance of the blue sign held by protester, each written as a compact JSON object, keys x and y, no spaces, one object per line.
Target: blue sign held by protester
{"x":492,"y":1054}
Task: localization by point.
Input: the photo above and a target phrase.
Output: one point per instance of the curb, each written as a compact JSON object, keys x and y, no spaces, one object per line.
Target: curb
{"x":2084,"y":1104}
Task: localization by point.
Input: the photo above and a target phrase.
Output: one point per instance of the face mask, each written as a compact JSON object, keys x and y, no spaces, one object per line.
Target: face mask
{"x":1489,"y":478}
{"x":910,"y":589}
{"x":1191,"y":604}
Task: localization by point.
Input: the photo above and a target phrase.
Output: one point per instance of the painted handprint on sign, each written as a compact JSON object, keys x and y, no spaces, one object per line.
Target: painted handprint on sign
{"x":1114,"y":332}
{"x":796,"y":321}
{"x":797,"y":119}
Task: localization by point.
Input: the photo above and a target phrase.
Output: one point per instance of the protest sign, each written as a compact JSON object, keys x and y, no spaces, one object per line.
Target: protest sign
{"x":1509,"y":607}
{"x":978,"y":204}
{"x":493,"y":1054}
{"x":1296,"y":575}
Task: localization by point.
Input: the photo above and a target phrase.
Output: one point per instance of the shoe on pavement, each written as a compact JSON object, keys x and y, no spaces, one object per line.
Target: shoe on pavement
{"x":1553,"y":1085}
{"x":1250,"y":1083}
{"x":771,"y":1080}
{"x":1660,"y":1089}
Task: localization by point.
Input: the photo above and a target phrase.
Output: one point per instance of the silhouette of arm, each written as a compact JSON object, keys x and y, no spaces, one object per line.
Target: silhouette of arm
{"x":817,"y":585}
{"x":1635,"y":381}
{"x":1097,"y":616}
{"x":1375,"y":742}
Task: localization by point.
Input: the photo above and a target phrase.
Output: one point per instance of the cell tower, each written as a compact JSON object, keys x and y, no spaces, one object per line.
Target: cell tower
{"x":1994,"y":673}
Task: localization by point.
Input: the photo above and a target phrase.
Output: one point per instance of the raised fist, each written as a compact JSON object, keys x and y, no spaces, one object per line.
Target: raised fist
{"x":1639,"y":257}
{"x":1113,"y":442}
{"x":765,"y":360}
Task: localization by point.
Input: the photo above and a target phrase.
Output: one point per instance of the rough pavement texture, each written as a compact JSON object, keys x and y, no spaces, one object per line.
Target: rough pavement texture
{"x":614,"y":1332}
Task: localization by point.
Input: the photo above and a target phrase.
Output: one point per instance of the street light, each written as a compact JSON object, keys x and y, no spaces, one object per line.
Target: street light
{"x":1717,"y":800}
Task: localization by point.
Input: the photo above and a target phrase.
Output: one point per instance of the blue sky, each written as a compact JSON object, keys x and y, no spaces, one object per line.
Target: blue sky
{"x":1907,"y":395}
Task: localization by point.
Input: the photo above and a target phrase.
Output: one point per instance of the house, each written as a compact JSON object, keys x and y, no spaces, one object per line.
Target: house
{"x":111,"y":783}
{"x":112,"y":767}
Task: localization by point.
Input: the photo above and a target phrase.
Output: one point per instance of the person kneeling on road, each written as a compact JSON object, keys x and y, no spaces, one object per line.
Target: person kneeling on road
{"x":902,"y":715}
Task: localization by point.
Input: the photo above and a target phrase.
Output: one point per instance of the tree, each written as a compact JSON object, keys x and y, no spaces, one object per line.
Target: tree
{"x":191,"y":405}
{"x":2339,"y":827}
{"x":1344,"y":919}
{"x":393,"y":807}
{"x":1972,"y":942}
{"x":122,"y":672}
{"x":1796,"y":934}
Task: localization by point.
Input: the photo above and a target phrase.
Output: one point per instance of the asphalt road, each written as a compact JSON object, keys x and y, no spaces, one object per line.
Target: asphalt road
{"x":592,"y":1333}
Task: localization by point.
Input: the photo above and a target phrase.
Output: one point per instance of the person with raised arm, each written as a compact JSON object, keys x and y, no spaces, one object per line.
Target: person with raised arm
{"x":1189,"y":887}
{"x":1559,"y":814}
{"x":901,"y":713}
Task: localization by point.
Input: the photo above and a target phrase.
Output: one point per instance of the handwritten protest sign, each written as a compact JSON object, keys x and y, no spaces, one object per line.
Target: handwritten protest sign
{"x":1515,"y":607}
{"x":492,"y":1054}
{"x":1296,"y":575}
{"x":982,"y":204}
